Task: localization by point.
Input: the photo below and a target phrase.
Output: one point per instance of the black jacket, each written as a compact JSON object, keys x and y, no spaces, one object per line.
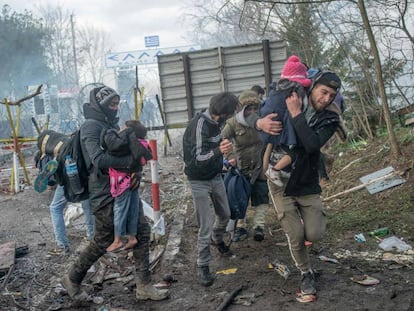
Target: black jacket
{"x":201,"y":141}
{"x":312,"y":136}
{"x":97,"y":160}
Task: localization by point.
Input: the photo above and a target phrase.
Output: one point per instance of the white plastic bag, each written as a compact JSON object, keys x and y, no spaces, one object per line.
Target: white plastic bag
{"x":73,"y":212}
{"x":394,"y":243}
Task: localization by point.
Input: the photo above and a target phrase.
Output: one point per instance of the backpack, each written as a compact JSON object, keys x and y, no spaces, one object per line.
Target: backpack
{"x":57,"y":146}
{"x":238,"y":192}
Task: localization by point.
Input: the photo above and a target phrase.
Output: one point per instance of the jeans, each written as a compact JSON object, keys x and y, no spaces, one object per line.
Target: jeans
{"x":126,"y":213}
{"x":56,"y":212}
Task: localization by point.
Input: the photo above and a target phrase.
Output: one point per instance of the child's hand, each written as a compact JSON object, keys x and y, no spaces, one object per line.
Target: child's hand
{"x":294,"y":104}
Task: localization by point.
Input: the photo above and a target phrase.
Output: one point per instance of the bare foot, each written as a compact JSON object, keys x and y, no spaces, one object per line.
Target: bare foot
{"x":132,"y":241}
{"x":114,"y":246}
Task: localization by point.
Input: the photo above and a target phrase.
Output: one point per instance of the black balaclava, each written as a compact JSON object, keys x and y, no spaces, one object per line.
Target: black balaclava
{"x":104,"y":98}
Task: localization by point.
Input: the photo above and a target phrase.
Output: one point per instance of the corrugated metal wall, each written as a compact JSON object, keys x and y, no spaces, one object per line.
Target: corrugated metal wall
{"x":188,"y":80}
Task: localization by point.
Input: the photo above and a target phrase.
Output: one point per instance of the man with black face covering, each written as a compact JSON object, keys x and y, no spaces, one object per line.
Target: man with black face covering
{"x":101,"y":113}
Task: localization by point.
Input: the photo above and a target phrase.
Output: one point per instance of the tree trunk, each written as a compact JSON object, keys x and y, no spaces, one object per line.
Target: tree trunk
{"x":378,"y":70}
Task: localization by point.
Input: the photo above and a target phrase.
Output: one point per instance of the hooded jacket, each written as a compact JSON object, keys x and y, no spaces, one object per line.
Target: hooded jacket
{"x":201,"y":141}
{"x":97,"y":160}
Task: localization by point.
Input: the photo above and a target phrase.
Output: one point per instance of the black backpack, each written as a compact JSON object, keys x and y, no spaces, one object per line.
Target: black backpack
{"x":57,"y":146}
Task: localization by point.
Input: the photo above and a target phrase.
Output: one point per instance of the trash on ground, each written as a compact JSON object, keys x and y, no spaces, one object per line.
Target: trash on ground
{"x":380,"y":232}
{"x":403,"y":259}
{"x":394,"y":243}
{"x":227,"y":271}
{"x":72,"y":212}
{"x":365,"y":280}
{"x":303,"y":298}
{"x":382,"y":180}
{"x":280,"y":268}
{"x":245,"y":300}
{"x":324,"y":258}
{"x":360,"y":238}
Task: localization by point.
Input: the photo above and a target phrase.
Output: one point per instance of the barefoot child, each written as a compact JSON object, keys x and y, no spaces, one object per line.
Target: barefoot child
{"x":126,"y":212}
{"x":293,"y":79}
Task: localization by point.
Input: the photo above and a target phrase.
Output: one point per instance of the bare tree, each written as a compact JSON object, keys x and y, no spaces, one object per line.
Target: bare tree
{"x":92,"y":45}
{"x":59,"y":45}
{"x":378,"y":70}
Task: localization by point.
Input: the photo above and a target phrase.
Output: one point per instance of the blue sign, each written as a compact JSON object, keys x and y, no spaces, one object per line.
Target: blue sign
{"x":151,"y":41}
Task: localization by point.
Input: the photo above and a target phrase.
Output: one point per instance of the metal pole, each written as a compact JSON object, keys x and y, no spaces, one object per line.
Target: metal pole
{"x":75,"y":61}
{"x":155,"y":180}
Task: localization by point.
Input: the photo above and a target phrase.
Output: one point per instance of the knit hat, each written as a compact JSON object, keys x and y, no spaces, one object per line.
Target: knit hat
{"x":105,"y":95}
{"x":249,"y":97}
{"x":295,"y":70}
{"x":329,"y":79}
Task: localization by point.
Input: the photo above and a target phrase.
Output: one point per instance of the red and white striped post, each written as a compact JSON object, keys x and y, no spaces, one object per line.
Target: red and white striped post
{"x":155,"y":181}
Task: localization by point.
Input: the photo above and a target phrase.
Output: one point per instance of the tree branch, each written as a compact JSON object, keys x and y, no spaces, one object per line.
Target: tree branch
{"x":16,"y":103}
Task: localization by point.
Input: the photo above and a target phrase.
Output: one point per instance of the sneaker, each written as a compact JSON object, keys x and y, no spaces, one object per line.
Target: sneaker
{"x":307,"y":285}
{"x":222,"y":248}
{"x":206,"y":278}
{"x":74,"y":290}
{"x":274,"y":176}
{"x":150,"y":292}
{"x":58,"y":251}
{"x":258,"y":234}
{"x":240,"y":234}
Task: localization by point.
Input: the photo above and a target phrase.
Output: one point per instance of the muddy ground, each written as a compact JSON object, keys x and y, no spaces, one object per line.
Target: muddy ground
{"x":33,"y":283}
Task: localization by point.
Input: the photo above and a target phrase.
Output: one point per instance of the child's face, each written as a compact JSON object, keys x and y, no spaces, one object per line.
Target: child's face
{"x":250,"y":109}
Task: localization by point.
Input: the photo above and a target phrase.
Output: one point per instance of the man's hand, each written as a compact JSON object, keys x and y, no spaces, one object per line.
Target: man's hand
{"x":294,"y":104}
{"x":269,"y":126}
{"x":226,"y":146}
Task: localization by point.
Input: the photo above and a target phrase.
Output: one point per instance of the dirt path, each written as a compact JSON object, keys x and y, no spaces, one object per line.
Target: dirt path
{"x":34,"y":281}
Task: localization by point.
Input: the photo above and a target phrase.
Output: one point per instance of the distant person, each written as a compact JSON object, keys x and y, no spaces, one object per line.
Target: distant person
{"x":101,"y":113}
{"x":129,"y":141}
{"x":203,"y":148}
{"x":57,"y":206}
{"x":259,"y":91}
{"x":246,"y":144}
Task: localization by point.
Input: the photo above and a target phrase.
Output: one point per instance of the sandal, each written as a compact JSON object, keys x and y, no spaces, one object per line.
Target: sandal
{"x":41,"y":181}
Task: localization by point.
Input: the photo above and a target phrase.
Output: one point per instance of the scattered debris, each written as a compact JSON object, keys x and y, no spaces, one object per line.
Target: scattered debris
{"x":382,"y":180}
{"x":360,"y":238}
{"x":229,"y":299}
{"x":394,"y":243}
{"x":280,"y":268}
{"x":365,"y":280}
{"x":245,"y":300}
{"x":406,"y":258}
{"x":227,"y":271}
{"x":327,"y":259}
{"x":379,"y":180}
{"x":7,"y":255}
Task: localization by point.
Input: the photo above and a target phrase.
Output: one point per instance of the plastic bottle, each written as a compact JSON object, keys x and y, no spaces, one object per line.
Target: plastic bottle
{"x":380,"y":232}
{"x":73,"y":174}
